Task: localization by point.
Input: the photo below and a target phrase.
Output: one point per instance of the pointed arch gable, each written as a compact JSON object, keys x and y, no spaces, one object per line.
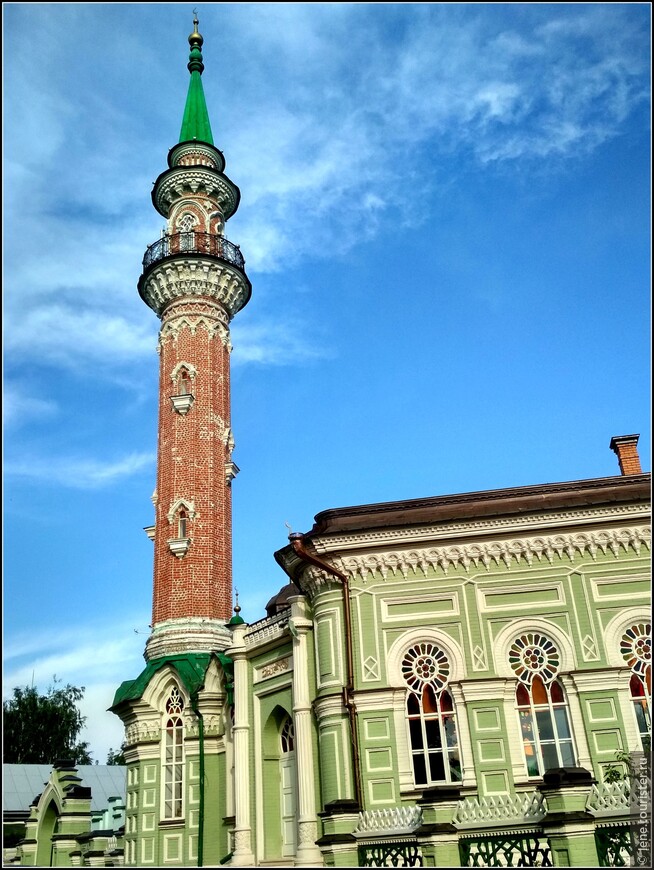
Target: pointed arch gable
{"x":181,"y":504}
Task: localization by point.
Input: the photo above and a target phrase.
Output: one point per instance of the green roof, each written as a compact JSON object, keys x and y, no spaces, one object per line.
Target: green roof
{"x":195,"y":123}
{"x":191,"y":668}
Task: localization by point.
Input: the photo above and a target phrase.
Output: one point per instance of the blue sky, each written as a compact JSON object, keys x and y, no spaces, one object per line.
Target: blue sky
{"x":445,"y":217}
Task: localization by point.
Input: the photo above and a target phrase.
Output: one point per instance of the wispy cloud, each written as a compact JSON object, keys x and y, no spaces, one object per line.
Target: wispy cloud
{"x":73,"y":337}
{"x":78,"y":473}
{"x":18,"y":407}
{"x":98,"y":656}
{"x":344,"y":144}
{"x":276,"y":343}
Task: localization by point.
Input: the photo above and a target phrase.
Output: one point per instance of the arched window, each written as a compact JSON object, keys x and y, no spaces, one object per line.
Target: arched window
{"x":173,"y":764}
{"x":430,"y":716}
{"x":541,"y":703}
{"x":182,"y":524}
{"x":287,"y":736}
{"x":184,"y":382}
{"x":636,"y":650}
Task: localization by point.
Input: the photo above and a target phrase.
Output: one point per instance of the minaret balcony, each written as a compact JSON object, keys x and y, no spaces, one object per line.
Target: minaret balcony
{"x":194,"y":243}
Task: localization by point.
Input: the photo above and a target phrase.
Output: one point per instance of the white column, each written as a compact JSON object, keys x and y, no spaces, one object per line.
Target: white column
{"x":242,"y":855}
{"x":308,"y":854}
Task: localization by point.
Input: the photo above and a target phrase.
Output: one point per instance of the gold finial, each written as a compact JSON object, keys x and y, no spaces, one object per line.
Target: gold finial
{"x":237,"y":608}
{"x":195,"y":37}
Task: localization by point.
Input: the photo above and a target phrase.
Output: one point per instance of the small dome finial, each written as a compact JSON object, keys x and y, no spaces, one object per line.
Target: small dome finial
{"x":195,"y":38}
{"x":237,"y":607}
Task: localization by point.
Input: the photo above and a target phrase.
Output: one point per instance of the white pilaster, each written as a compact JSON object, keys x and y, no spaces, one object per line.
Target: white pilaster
{"x":242,"y":855}
{"x":308,"y":854}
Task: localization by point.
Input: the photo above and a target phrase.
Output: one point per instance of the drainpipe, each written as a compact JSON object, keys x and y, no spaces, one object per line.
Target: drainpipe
{"x":196,"y":710}
{"x":297,"y":542}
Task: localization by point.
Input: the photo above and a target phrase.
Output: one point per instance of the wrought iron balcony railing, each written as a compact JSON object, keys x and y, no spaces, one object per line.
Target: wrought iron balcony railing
{"x":194,"y":243}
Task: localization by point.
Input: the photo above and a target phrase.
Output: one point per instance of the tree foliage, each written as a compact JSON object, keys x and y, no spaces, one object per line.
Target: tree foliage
{"x":116,"y":756}
{"x":39,"y":729}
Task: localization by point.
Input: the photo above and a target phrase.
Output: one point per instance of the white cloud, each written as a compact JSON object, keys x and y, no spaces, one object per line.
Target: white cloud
{"x":99,"y":657}
{"x":275,"y":343}
{"x":324,"y":150}
{"x":72,"y":336}
{"x":78,"y":473}
{"x":18,"y":407}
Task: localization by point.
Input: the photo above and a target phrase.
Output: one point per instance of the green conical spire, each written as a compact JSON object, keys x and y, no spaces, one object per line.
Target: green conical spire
{"x":195,"y":124}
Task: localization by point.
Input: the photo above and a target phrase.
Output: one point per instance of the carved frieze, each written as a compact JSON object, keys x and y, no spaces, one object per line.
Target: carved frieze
{"x":171,"y":280}
{"x":183,"y":180}
{"x":425,"y":562}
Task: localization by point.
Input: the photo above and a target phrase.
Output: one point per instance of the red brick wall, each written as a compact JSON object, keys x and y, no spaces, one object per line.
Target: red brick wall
{"x":191,"y":465}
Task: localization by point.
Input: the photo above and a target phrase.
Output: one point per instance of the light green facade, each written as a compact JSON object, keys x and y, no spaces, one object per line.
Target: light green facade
{"x":577,"y":575}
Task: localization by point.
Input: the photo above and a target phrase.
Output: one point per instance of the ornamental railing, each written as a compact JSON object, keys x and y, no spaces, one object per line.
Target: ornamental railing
{"x":194,"y":243}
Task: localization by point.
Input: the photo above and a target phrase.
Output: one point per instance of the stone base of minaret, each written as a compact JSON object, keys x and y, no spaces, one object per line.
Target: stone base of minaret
{"x":190,"y":634}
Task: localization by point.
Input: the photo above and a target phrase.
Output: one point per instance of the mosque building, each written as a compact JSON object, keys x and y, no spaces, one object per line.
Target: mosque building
{"x":460,"y":680}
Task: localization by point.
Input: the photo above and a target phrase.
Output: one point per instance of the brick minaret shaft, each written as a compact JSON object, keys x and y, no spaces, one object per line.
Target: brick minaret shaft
{"x":194,"y":279}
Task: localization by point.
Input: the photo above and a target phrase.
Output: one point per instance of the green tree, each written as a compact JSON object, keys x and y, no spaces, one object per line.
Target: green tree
{"x":117,"y":756}
{"x":39,"y":729}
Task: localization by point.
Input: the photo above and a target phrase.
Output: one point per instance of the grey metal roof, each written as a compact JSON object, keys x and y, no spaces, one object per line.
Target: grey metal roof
{"x":21,"y":783}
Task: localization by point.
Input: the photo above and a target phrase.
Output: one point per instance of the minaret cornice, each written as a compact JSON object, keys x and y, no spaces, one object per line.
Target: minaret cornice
{"x":194,"y":275}
{"x":196,"y":153}
{"x":174,"y":184}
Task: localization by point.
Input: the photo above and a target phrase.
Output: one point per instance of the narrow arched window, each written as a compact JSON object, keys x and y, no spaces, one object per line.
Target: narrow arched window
{"x":636,"y":650}
{"x":430,"y":716}
{"x":541,"y":704}
{"x":182,"y":524}
{"x":173,"y":762}
{"x":184,"y":383}
{"x":287,"y":736}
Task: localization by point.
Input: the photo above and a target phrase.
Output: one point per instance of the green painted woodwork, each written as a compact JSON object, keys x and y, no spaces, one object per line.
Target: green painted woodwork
{"x":521,"y":598}
{"x":624,"y":589}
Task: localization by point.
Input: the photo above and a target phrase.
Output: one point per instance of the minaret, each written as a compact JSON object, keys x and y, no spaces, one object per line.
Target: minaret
{"x":194,"y":280}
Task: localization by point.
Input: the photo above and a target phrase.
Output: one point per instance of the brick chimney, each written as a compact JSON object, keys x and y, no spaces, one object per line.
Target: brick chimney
{"x":624,"y":446}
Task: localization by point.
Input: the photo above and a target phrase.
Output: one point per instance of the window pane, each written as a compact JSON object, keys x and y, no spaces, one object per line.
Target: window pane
{"x":636,"y":686}
{"x":556,"y":693}
{"x":433,"y":732}
{"x":446,"y":702}
{"x":526,"y":725}
{"x":455,"y":767}
{"x":436,"y":766}
{"x":538,"y":691}
{"x":562,"y":725}
{"x":567,"y":754}
{"x":419,"y":772}
{"x":642,"y":716}
{"x":522,"y":696}
{"x":545,"y":725}
{"x":531,"y":759}
{"x":412,"y":704}
{"x":415,"y":729}
{"x":429,"y":704}
{"x":450,"y":730}
{"x":550,"y":756}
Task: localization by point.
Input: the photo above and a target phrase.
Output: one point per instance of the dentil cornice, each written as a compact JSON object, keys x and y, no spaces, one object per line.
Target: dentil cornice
{"x":426,"y":561}
{"x":178,"y":278}
{"x":184,"y":180}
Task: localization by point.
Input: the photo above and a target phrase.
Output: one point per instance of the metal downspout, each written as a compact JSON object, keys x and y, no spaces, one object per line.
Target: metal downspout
{"x":196,"y":710}
{"x":297,"y":542}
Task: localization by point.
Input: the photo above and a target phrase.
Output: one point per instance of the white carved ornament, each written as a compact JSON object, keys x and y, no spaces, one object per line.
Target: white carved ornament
{"x":497,"y":553}
{"x":473,"y":812}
